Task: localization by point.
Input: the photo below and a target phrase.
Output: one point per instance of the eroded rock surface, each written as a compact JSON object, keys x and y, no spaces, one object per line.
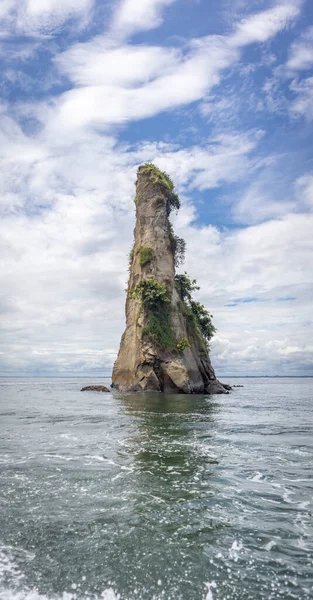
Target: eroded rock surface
{"x":95,"y":388}
{"x":144,"y":364}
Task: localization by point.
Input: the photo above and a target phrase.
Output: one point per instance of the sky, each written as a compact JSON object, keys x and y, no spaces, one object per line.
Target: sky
{"x":219,"y":93}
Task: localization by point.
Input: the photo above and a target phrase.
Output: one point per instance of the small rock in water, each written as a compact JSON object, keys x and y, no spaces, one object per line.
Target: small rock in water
{"x":94,"y":388}
{"x":215,"y":387}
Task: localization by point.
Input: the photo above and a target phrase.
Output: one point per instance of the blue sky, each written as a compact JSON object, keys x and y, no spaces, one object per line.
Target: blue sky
{"x":217,"y":93}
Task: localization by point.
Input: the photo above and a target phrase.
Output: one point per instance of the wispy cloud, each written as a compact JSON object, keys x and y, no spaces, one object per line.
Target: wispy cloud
{"x":301,"y":54}
{"x":302,"y":105}
{"x":161,"y":80}
{"x":262,"y":26}
{"x":132,"y":16}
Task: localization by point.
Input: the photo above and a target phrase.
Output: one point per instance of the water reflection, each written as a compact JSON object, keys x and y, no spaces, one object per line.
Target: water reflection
{"x":172,"y":490}
{"x":171,"y":442}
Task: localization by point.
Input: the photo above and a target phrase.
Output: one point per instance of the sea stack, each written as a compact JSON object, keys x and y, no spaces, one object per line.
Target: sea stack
{"x":164,"y":347}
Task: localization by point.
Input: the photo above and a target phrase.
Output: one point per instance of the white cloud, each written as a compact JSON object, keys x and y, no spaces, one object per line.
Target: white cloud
{"x":301,"y":54}
{"x":125,"y":83}
{"x":302,"y":105}
{"x":270,"y":265}
{"x":304,"y":191}
{"x":65,"y":257}
{"x":300,"y":59}
{"x":6,"y":7}
{"x":43,"y":7}
{"x":173,"y":80}
{"x":226,"y":158}
{"x":97,"y":63}
{"x":268,"y":194}
{"x":264,"y":25}
{"x":42,"y":16}
{"x":132,"y":15}
{"x":257,"y":204}
{"x":68,"y":214}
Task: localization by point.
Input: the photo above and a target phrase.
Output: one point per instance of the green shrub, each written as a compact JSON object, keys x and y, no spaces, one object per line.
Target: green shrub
{"x":156,"y":176}
{"x":146,"y":255}
{"x":203,"y":320}
{"x":178,"y":246}
{"x":198,"y":316}
{"x":182,"y":345}
{"x":151,"y":292}
{"x":185,"y":286}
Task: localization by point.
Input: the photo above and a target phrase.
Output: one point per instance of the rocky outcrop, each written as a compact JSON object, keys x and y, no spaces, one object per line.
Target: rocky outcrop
{"x":95,"y":388}
{"x":162,"y":348}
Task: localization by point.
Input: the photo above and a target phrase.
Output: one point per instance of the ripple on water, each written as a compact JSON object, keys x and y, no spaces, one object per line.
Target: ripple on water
{"x":147,"y":496}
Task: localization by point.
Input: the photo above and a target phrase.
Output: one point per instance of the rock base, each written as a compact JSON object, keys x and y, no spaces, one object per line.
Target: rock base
{"x":94,"y":388}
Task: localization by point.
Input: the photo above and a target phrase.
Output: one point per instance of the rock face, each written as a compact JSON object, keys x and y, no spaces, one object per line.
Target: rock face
{"x":95,"y":388}
{"x":161,"y":349}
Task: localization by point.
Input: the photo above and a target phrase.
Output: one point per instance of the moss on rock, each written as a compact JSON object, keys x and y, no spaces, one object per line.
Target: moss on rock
{"x":145,"y":255}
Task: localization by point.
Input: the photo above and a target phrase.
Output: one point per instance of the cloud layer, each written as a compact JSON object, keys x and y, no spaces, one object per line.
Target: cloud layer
{"x":70,"y":147}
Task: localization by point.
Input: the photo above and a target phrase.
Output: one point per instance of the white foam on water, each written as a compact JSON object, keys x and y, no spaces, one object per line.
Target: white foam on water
{"x":270,"y":545}
{"x":12,"y":586}
{"x":304,"y":505}
{"x":286,"y":496}
{"x":257,"y":477}
{"x":303,"y":544}
{"x":109,"y":595}
{"x":234,"y":551}
{"x":211,"y":585}
{"x":9,"y":571}
{"x":101,"y":458}
{"x":60,"y":456}
{"x":7,"y":594}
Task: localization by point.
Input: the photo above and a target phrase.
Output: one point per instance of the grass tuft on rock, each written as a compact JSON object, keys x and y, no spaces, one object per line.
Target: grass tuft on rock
{"x":182,"y":345}
{"x":145,"y":255}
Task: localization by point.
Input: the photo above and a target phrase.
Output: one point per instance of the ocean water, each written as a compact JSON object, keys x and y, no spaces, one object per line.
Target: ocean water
{"x":148,"y":497}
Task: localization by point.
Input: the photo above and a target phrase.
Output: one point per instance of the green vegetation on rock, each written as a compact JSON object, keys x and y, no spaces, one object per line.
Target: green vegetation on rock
{"x":155,"y":300}
{"x":182,"y":345}
{"x":185,"y":286}
{"x":158,"y":177}
{"x":131,"y":255}
{"x":178,"y":246}
{"x":162,"y":179}
{"x":146,"y":255}
{"x":151,"y":292}
{"x":154,"y":296}
{"x":158,"y":328}
{"x":203,"y":320}
{"x":196,"y":313}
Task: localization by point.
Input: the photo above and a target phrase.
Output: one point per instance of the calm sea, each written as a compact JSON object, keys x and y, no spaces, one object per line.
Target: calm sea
{"x":154,"y":497}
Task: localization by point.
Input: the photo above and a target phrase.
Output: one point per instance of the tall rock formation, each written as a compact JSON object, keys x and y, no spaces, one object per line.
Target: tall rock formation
{"x":163,"y":347}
